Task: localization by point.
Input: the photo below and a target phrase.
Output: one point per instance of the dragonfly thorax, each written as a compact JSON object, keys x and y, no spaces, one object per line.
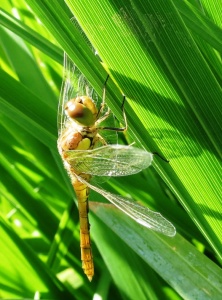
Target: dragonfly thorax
{"x":82,"y":110}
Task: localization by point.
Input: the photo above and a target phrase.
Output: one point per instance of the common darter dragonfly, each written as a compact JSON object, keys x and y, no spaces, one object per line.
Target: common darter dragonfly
{"x":87,"y":152}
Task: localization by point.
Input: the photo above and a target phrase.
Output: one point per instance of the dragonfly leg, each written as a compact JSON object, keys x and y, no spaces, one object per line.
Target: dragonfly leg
{"x":105,"y":116}
{"x":123,"y":112}
{"x":120,"y":129}
{"x":100,"y":139}
{"x":103,"y":100}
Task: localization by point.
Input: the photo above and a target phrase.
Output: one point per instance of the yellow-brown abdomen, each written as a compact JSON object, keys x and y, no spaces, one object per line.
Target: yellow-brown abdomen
{"x":82,"y":192}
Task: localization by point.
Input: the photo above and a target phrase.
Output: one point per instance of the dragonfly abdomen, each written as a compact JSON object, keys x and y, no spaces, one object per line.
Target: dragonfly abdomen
{"x":82,"y":193}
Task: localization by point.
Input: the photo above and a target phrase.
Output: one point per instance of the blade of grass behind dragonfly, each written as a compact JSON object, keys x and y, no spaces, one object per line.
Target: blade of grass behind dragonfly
{"x":134,"y":280}
{"x":173,"y":97}
{"x":157,"y":251}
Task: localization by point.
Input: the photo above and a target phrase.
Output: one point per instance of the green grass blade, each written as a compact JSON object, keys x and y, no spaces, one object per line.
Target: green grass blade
{"x":22,"y":266}
{"x":194,"y":276}
{"x":31,"y":36}
{"x":173,"y":96}
{"x":199,"y":24}
{"x":34,"y":116}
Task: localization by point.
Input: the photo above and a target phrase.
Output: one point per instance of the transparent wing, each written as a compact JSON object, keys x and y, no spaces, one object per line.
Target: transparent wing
{"x":110,"y":160}
{"x":66,"y":93}
{"x":142,"y":215}
{"x":75,"y":84}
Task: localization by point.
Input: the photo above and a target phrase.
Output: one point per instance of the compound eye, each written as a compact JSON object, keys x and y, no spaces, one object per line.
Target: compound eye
{"x":79,"y":113}
{"x":74,"y":110}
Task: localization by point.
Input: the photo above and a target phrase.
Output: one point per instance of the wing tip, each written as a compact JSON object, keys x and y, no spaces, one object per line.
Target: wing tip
{"x":167,"y":230}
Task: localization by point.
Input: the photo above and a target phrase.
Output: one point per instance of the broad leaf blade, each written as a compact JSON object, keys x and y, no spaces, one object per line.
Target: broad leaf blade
{"x":191,"y":274}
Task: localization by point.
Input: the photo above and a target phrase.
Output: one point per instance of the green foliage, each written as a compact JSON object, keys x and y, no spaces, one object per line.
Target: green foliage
{"x":164,"y":55}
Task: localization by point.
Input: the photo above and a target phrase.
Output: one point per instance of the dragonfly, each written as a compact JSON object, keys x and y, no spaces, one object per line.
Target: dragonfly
{"x":88,"y":152}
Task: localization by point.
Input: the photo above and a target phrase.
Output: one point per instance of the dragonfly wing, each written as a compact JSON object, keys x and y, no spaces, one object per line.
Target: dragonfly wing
{"x":110,"y":160}
{"x":73,"y":84}
{"x":65,"y":93}
{"x":141,"y":214}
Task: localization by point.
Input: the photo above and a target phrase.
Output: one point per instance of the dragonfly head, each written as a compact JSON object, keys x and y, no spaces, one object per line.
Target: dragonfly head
{"x":82,"y":110}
